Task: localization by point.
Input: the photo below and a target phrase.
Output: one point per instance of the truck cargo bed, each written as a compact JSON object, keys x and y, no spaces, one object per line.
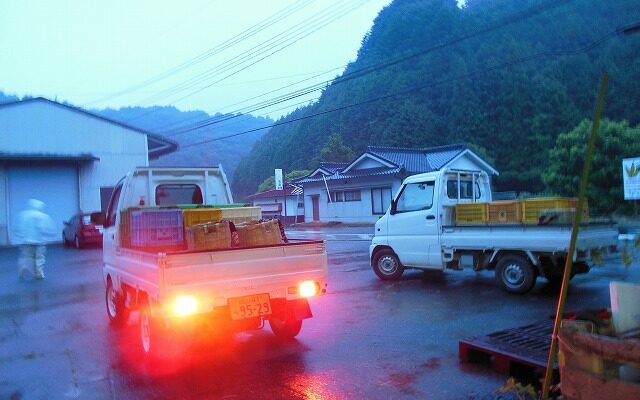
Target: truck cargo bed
{"x":542,"y":238}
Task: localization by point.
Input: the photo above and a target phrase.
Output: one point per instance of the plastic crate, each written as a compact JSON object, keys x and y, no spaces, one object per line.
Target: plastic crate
{"x":125,"y":227}
{"x":504,"y":212}
{"x":471,"y":213}
{"x":229,"y":205}
{"x":532,"y":208}
{"x":157,"y":229}
{"x":197,"y":216}
{"x":239,"y":215}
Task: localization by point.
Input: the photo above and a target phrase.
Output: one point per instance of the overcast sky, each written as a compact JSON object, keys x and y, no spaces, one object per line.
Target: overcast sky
{"x":87,"y":52}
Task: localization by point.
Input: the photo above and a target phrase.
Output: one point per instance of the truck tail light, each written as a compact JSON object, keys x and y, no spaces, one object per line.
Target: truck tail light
{"x":308,"y":288}
{"x":185,"y":305}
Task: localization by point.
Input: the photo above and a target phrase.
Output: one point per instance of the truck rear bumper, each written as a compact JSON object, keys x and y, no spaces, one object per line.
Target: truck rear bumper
{"x":220,"y":318}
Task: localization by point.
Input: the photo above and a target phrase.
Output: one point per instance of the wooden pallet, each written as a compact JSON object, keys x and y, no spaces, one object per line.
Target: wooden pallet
{"x":520,"y":352}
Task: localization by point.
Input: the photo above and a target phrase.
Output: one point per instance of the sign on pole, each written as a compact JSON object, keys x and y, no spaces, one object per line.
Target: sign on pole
{"x":631,"y":178}
{"x":278,"y":179}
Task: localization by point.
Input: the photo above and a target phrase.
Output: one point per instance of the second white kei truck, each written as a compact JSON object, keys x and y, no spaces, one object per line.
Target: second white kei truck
{"x":419,"y":231}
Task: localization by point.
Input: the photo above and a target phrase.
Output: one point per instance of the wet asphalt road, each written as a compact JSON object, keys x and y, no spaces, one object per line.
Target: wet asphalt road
{"x":368,"y":340}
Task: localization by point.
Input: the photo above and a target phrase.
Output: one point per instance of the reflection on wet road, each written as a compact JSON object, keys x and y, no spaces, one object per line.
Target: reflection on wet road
{"x":368,"y":339}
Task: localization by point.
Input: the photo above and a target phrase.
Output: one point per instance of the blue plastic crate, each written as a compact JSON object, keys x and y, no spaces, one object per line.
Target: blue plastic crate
{"x":157,"y":228}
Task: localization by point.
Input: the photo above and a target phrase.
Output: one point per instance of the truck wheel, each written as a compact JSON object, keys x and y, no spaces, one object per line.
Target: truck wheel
{"x":76,"y":242}
{"x":116,"y":310}
{"x":150,"y":334}
{"x":387,"y":265}
{"x":287,"y":328}
{"x":516,"y":274}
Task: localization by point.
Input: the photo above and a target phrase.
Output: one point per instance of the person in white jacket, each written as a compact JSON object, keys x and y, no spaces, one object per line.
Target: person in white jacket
{"x":34,"y":229}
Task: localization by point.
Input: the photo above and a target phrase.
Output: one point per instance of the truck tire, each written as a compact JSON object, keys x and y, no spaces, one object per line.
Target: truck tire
{"x":515,"y":274}
{"x":387,"y":265}
{"x":287,"y":328}
{"x":151,"y":334}
{"x":117,"y":312}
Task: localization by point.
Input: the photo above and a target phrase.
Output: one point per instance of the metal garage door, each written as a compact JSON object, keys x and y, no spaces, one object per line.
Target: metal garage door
{"x":56,"y":185}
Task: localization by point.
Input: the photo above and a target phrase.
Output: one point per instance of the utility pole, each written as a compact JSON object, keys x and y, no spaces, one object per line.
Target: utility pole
{"x":284,"y":196}
{"x":553,"y":349}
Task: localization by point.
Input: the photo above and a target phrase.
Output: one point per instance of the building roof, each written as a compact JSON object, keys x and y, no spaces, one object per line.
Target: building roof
{"x":332,"y":167}
{"x":418,"y":160}
{"x":157,"y":145}
{"x":393,"y":161}
{"x":47,"y":157}
{"x":292,"y":190}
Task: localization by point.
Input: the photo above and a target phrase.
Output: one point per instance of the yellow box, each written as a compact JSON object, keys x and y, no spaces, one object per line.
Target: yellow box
{"x":504,"y":212}
{"x":195,"y":216}
{"x":238,"y":215}
{"x":471,"y":213}
{"x":532,"y":208}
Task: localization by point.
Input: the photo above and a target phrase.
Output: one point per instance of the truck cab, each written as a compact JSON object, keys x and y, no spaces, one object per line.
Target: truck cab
{"x":424,"y":203}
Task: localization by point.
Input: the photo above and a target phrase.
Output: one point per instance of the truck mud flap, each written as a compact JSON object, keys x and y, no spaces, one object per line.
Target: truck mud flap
{"x":298,"y":308}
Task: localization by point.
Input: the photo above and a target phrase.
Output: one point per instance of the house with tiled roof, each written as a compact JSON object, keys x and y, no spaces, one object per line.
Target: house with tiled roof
{"x":361,"y":191}
{"x":273,"y":205}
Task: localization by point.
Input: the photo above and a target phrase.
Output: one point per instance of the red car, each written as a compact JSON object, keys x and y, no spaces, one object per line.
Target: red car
{"x":82,"y":230}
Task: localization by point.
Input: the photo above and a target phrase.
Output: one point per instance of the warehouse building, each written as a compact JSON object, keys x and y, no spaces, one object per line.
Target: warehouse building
{"x":65,"y":156}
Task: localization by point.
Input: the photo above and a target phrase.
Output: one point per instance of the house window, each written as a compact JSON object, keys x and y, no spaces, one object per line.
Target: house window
{"x":339,"y":196}
{"x":380,"y":200}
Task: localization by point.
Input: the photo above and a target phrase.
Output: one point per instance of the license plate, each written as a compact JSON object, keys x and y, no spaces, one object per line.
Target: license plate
{"x":250,"y":306}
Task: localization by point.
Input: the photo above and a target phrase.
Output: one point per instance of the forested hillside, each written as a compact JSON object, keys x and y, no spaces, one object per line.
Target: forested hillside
{"x":507,"y":76}
{"x":173,"y":124}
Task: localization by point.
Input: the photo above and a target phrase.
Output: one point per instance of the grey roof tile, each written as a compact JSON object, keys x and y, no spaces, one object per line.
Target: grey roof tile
{"x":403,"y":160}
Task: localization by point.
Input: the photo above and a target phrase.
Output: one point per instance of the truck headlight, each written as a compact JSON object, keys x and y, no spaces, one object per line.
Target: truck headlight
{"x":185,"y":305}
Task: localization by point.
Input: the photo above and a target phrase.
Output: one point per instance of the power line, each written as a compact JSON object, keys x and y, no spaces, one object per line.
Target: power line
{"x":231,"y":115}
{"x":517,"y":17}
{"x":253,"y":30}
{"x":542,"y":55}
{"x":276,"y":43}
{"x":328,"y":17}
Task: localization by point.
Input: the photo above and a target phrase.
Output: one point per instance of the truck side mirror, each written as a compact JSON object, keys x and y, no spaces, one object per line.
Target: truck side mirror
{"x":98,"y":218}
{"x":392,"y":210}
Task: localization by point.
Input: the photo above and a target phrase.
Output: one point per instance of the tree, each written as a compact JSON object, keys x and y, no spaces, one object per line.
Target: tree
{"x":616,"y":140}
{"x":270,"y":182}
{"x":334,"y":151}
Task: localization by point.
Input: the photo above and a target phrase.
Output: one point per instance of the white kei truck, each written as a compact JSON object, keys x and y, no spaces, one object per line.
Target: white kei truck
{"x":178,"y":291}
{"x":419,"y":231}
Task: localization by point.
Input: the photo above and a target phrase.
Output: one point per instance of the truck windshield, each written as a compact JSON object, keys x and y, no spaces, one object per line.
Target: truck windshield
{"x":415,"y":197}
{"x":466,"y":189}
{"x":172,"y":194}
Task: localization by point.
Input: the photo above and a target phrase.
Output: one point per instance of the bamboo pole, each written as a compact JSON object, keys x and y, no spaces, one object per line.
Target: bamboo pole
{"x":574,"y":234}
